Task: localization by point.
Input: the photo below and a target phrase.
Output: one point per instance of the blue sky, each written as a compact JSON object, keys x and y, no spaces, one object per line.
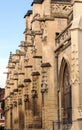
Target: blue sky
{"x":12,"y":25}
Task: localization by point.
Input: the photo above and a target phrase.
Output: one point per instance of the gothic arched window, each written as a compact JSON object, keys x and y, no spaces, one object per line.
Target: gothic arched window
{"x":66,"y":96}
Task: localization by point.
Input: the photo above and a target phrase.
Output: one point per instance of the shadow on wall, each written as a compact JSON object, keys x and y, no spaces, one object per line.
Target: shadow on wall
{"x":1,"y":127}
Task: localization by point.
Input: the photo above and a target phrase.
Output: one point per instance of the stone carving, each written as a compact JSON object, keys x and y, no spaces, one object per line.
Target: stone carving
{"x":26,"y":98}
{"x":34,"y":87}
{"x":11,"y":106}
{"x":32,"y":39}
{"x":7,"y":104}
{"x":64,"y":36}
{"x":19,"y":66}
{"x":44,"y":84}
{"x":75,"y":66}
{"x":15,"y":103}
{"x":61,"y":9}
{"x":19,"y":101}
{"x":36,"y":16}
{"x":26,"y":90}
{"x":33,"y":49}
{"x":26,"y":59}
{"x":44,"y":31}
{"x":80,"y":110}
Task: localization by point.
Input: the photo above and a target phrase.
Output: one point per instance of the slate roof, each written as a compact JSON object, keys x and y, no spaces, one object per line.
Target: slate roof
{"x":29,"y":12}
{"x":37,"y":2}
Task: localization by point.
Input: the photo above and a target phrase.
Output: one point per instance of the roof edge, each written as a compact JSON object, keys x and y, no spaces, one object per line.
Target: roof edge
{"x":29,"y":12}
{"x":37,"y":2}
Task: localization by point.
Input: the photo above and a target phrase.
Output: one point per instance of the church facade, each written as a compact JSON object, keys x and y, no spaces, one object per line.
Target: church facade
{"x":44,"y":80}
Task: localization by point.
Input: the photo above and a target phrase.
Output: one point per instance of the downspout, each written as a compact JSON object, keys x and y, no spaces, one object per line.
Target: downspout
{"x":57,"y":88}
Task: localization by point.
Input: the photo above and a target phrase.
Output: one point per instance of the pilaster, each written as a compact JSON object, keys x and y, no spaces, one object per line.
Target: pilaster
{"x":76,"y":61}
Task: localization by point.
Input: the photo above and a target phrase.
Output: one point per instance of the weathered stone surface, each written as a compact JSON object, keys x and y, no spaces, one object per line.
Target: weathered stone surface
{"x":44,"y":79}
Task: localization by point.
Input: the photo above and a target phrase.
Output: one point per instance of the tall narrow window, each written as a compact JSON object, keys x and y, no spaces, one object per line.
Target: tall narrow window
{"x":66,"y":96}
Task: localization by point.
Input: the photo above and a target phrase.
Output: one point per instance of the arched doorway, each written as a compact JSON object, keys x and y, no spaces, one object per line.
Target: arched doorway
{"x":65,"y":91}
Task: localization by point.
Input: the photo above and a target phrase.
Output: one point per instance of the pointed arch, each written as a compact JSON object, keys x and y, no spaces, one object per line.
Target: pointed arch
{"x":65,"y":91}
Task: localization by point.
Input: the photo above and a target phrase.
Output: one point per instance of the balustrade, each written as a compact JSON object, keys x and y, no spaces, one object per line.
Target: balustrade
{"x":63,"y":37}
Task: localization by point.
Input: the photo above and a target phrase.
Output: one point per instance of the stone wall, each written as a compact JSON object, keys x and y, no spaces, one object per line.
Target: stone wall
{"x":35,"y":72}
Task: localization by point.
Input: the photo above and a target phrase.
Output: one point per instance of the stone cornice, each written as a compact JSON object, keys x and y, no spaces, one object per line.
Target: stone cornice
{"x":29,"y":45}
{"x":11,"y":93}
{"x":15,"y":79}
{"x":37,"y":57}
{"x":33,"y":33}
{"x":35,"y":73}
{"x":61,"y":1}
{"x":16,"y":61}
{"x":15,"y":73}
{"x":20,"y":86}
{"x":19,"y":53}
{"x":76,"y":1}
{"x":27,"y":80}
{"x":16,"y":90}
{"x":11,"y":67}
{"x":11,"y":83}
{"x":37,"y":32}
{"x":28,"y":32}
{"x":7,"y":87}
{"x":45,"y":65}
{"x":28,"y":66}
{"x":46,"y":18}
{"x":21,"y":73}
{"x":23,"y":44}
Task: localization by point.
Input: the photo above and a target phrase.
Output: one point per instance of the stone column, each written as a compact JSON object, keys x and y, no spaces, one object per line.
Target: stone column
{"x":76,"y":69}
{"x":48,"y":88}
